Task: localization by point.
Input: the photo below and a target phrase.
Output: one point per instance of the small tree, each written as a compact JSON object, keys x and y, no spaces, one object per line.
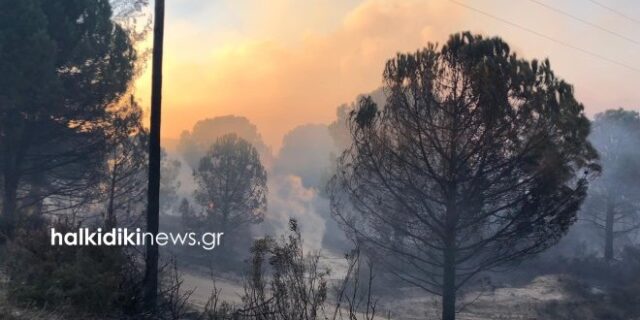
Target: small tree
{"x":126,"y":165}
{"x":188,"y":215}
{"x":169,"y":182}
{"x":231,"y":184}
{"x":613,"y":205}
{"x":297,"y":287}
{"x":478,"y":159}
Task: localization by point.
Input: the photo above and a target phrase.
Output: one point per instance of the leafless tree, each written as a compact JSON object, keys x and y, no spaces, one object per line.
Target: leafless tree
{"x":360,"y":302}
{"x":293,"y":288}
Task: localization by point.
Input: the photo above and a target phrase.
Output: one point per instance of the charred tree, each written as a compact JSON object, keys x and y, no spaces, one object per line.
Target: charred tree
{"x":478,"y":159}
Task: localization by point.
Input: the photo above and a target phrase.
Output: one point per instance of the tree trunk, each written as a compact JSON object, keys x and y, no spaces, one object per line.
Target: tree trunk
{"x":9,"y":205}
{"x":449,"y":269}
{"x":153,"y":195}
{"x":449,"y":286}
{"x":110,"y":221}
{"x":451,"y":221}
{"x":608,"y":237}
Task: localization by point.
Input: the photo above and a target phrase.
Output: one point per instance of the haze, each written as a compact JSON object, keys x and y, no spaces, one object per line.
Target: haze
{"x":286,"y":63}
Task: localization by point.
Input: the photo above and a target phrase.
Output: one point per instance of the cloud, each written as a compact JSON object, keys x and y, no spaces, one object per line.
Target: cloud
{"x":278,"y":75}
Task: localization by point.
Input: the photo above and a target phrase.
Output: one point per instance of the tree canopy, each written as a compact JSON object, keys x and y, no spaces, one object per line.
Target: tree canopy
{"x":63,"y":64}
{"x":231,"y":184}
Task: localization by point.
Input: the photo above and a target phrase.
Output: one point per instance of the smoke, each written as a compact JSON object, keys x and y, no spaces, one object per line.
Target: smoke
{"x":615,"y":134}
{"x":290,"y":199}
{"x":194,"y":144}
{"x":310,"y":152}
{"x":297,"y":176}
{"x":307,"y":153}
{"x":279,"y":80}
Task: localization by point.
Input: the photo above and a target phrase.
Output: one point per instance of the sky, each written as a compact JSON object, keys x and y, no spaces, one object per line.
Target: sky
{"x":286,"y":63}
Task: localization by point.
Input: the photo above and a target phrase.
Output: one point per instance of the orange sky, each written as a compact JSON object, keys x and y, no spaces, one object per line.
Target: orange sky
{"x":283,"y":63}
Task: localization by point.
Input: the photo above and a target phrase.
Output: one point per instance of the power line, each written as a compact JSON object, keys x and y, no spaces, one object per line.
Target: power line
{"x":542,"y":4}
{"x":632,"y":19}
{"x":542,"y":35}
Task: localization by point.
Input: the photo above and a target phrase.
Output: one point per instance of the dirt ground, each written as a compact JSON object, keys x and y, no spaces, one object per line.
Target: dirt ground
{"x":502,"y":303}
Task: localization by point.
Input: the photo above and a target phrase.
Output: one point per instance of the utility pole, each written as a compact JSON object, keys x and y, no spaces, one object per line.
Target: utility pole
{"x":153,"y":196}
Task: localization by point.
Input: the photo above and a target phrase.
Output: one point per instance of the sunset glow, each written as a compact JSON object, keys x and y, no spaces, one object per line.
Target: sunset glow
{"x":288,"y":63}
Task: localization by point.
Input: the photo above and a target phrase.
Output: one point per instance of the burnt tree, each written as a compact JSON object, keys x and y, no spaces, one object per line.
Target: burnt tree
{"x":477,"y":159}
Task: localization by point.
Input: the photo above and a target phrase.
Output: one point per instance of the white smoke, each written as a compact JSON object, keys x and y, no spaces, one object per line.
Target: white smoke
{"x":289,"y":199}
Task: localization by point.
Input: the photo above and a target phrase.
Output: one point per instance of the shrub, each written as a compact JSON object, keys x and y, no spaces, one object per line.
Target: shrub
{"x":91,"y":280}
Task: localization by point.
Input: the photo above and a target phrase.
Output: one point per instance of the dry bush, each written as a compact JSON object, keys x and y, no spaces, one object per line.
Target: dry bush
{"x":285,"y":283}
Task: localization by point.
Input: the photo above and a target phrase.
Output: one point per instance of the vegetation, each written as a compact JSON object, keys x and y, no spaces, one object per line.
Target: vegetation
{"x":65,"y":64}
{"x":613,"y":206}
{"x":468,"y":160}
{"x":478,"y":159}
{"x":285,"y":283}
{"x":231,"y":185}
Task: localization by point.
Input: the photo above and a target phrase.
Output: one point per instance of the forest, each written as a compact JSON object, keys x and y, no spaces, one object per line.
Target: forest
{"x":471,"y":183}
